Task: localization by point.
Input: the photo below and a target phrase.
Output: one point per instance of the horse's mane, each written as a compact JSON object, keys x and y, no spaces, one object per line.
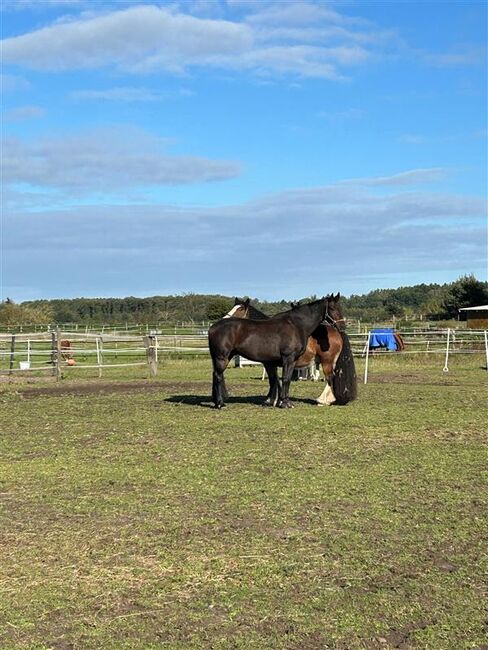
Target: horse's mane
{"x":255,"y":314}
{"x":252,"y":312}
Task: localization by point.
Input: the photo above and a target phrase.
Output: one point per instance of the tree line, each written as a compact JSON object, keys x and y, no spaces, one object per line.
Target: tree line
{"x":418,"y":302}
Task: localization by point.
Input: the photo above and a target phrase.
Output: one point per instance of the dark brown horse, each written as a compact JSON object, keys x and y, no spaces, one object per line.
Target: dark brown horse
{"x":278,"y":341}
{"x":328,"y":345}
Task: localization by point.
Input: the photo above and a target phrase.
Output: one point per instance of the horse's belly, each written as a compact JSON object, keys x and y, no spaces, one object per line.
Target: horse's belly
{"x":258,"y":348}
{"x":258,"y":353}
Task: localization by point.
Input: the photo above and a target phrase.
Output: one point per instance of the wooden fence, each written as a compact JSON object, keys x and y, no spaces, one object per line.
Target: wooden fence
{"x":48,"y":351}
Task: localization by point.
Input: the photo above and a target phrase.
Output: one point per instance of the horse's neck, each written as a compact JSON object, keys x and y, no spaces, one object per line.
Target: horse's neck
{"x":255,"y":314}
{"x":308,"y":317}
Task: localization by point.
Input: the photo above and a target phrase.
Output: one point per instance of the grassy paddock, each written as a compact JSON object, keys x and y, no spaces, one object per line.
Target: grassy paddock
{"x":135,"y":516}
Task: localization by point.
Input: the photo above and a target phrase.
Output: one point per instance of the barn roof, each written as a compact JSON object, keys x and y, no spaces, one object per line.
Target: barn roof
{"x":480,"y":308}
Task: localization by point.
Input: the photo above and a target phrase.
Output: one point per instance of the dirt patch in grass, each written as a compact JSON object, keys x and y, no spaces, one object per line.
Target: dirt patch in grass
{"x":110,"y":387}
{"x":417,"y":378}
{"x":398,"y":638}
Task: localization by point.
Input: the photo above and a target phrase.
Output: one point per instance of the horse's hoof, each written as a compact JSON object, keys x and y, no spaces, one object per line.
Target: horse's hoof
{"x":219,"y":406}
{"x":286,"y":405}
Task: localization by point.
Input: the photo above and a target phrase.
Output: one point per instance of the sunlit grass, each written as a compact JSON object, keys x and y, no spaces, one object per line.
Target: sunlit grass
{"x":135,"y":516}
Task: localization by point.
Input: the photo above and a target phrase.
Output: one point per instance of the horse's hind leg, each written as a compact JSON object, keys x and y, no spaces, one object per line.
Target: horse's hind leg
{"x":274,"y":394}
{"x":219,"y":390}
{"x":288,"y":365}
{"x":327,"y":397}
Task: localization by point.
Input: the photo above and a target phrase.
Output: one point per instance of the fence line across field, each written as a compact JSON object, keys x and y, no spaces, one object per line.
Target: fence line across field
{"x":446,"y":346}
{"x":30,"y":349}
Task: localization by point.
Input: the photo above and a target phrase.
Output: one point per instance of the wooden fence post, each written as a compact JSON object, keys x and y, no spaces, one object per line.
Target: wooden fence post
{"x":98,"y":342}
{"x":150,"y":343}
{"x":486,"y":348}
{"x":53,"y":352}
{"x":12,"y":354}
{"x":58,"y":355}
{"x":367,"y":358}
{"x":446,"y":360}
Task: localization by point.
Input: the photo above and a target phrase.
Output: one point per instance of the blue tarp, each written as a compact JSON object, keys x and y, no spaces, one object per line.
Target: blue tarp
{"x":383,"y":338}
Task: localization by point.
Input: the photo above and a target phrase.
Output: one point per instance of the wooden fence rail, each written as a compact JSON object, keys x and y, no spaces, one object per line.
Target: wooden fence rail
{"x":44,"y":351}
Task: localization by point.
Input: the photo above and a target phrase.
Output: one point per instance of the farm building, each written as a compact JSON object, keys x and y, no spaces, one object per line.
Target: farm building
{"x":477,"y":317}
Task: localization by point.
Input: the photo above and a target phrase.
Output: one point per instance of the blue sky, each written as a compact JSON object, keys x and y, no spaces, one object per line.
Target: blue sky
{"x":274,"y":149}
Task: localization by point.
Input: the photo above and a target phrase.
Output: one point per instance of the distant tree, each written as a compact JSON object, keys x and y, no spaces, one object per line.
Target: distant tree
{"x":13,"y":315}
{"x":393,"y":307}
{"x":218,"y":307}
{"x":467,"y":291}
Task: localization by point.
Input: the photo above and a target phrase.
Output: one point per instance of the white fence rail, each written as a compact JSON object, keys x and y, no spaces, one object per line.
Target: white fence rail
{"x":48,"y":351}
{"x":443,"y":342}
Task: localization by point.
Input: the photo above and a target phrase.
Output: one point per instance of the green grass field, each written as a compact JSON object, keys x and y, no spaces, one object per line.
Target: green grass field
{"x":135,"y":516}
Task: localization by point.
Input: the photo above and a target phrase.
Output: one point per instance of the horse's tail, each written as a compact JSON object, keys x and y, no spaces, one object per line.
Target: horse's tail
{"x":344,"y":381}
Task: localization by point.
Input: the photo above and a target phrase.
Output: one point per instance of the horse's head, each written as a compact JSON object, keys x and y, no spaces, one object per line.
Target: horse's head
{"x":334,"y":314}
{"x":240,"y":309}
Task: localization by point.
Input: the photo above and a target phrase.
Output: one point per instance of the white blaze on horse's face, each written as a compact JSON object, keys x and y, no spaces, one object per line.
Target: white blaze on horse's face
{"x":233,"y":311}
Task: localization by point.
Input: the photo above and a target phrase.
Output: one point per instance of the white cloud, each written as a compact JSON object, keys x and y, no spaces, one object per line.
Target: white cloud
{"x":462,"y":55}
{"x":145,"y":39}
{"x":105,"y":160}
{"x":21,"y":113}
{"x":319,"y":238}
{"x":410,"y":177}
{"x":297,"y":13}
{"x":40,"y":4}
{"x":411,"y":138}
{"x":121,"y":94}
{"x":135,"y":36}
{"x":128,"y":94}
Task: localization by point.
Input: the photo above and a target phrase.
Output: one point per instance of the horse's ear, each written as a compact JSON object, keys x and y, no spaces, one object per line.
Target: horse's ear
{"x":236,"y":301}
{"x":246,"y":302}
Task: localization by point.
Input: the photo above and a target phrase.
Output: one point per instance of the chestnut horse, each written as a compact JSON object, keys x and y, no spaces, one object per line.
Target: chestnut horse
{"x":65,"y":346}
{"x":328,"y":345}
{"x":277,"y":341}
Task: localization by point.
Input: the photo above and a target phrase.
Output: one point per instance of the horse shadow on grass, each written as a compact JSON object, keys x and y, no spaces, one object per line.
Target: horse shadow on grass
{"x":204,"y":401}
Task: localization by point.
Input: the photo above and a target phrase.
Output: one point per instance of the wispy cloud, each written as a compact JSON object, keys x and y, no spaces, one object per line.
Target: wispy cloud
{"x":145,"y":38}
{"x":461,"y":56}
{"x":17,"y":5}
{"x":13,"y":83}
{"x":21,"y":113}
{"x":411,"y":138}
{"x":122,"y":94}
{"x":364,"y":234}
{"x":99,"y":161}
{"x":410,"y":177}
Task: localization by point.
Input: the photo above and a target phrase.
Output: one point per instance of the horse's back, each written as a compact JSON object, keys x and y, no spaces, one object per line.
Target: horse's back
{"x":258,"y":340}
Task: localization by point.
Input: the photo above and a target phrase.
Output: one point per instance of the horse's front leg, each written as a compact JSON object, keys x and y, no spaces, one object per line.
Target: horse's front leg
{"x":274,"y":394}
{"x":288,"y":365}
